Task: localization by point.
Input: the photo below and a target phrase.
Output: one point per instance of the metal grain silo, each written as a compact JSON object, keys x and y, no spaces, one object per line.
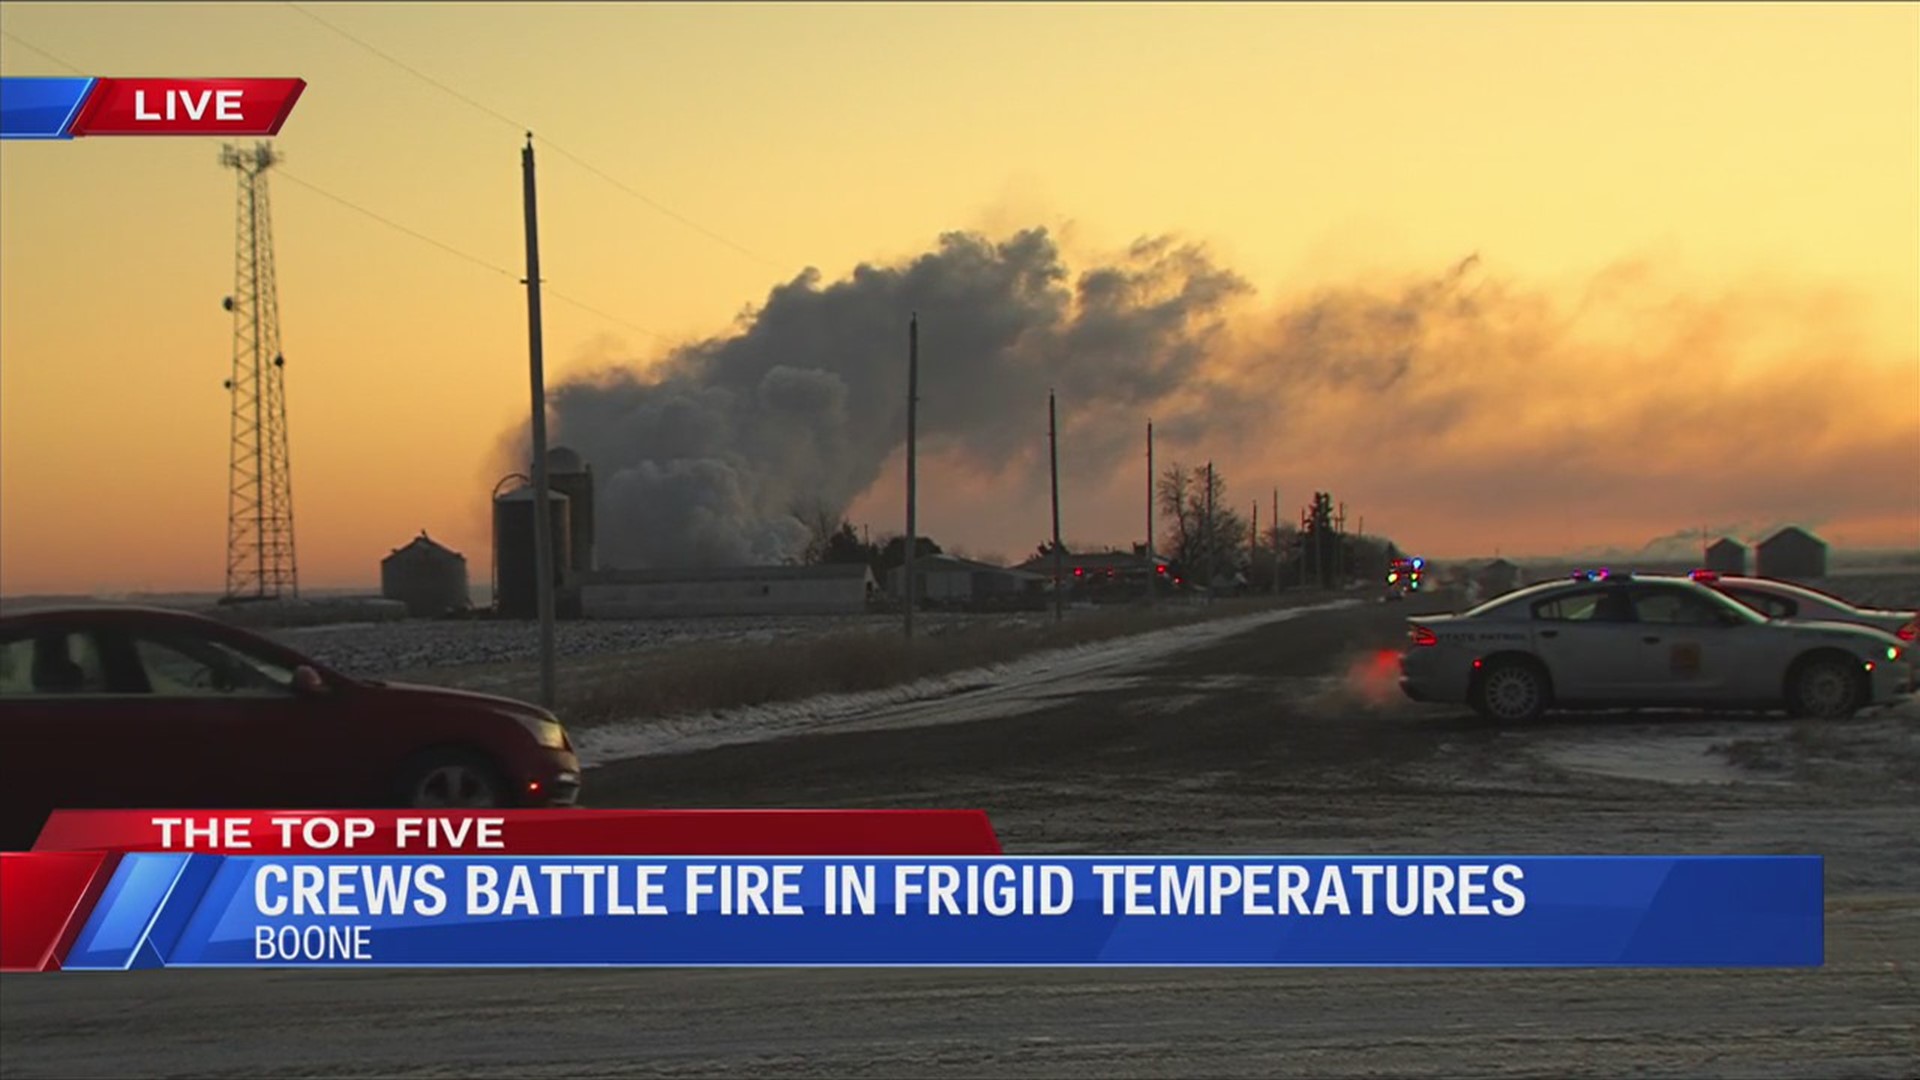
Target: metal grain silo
{"x":568,"y":475}
{"x":430,"y":578}
{"x":514,"y":550}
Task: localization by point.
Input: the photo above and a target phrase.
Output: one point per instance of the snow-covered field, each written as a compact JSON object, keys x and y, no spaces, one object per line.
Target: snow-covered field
{"x":414,"y":645}
{"x":386,"y":648}
{"x":375,"y":649}
{"x":1010,"y":689}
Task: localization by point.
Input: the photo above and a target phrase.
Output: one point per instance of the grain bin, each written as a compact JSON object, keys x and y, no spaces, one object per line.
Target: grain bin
{"x":516,"y":595}
{"x":568,"y":475}
{"x":430,"y":578}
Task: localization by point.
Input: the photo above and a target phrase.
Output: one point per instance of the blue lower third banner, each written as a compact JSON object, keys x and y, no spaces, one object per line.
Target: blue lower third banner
{"x":179,"y":910}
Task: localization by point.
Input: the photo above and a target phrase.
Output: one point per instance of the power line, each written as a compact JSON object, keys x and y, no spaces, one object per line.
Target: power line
{"x":409,"y":69}
{"x":474,"y":259}
{"x":392,"y":224}
{"x":387,"y":221}
{"x":32,"y":48}
{"x":549,"y":143}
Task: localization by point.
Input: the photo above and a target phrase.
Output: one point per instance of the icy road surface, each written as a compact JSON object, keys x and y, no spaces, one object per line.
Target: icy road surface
{"x":1282,"y":736}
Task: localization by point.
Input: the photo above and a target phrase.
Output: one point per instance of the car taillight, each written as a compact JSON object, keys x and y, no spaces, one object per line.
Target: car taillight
{"x":1910,"y":631}
{"x":1423,"y":636}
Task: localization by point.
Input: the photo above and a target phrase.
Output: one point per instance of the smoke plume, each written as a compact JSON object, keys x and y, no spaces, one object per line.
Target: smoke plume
{"x":1447,"y":405}
{"x":721,"y":453}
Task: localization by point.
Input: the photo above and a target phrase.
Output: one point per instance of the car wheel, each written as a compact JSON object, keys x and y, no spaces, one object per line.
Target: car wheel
{"x":1824,"y":689}
{"x":1511,"y":692}
{"x":452,"y":780}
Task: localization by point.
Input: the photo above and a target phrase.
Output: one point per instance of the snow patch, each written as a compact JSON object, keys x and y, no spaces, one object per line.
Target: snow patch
{"x":1010,"y":689}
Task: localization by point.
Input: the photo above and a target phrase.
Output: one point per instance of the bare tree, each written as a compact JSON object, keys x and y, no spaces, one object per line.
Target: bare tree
{"x":822,"y":526}
{"x":1205,"y":545}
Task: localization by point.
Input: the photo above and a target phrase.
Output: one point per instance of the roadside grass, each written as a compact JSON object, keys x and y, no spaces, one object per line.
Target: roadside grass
{"x":710,"y":676}
{"x":714,"y":676}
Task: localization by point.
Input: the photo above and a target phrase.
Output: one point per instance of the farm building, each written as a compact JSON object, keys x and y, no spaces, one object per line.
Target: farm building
{"x":430,"y":578}
{"x":1727,"y":556}
{"x":516,"y":566}
{"x":1099,"y":570}
{"x":830,"y":589}
{"x":1792,"y":553}
{"x":954,"y":581}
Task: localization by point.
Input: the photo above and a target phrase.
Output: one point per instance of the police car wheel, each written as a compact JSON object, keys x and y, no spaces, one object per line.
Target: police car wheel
{"x":1825,"y":690}
{"x":1511,"y":693}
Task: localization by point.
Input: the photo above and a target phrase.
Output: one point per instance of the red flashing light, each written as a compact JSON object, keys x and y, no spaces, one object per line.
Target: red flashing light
{"x":1424,"y":636}
{"x":1079,"y":572}
{"x":1705,"y":577}
{"x":1161,"y":569}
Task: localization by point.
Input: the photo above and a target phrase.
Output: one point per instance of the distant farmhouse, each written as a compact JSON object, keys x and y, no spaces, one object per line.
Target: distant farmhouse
{"x":951,"y":581}
{"x":827,"y":589}
{"x":1792,"y":553}
{"x":1727,"y":556}
{"x":1100,"y":570}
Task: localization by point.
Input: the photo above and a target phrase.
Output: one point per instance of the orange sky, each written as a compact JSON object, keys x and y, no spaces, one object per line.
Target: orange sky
{"x":1696,"y":302}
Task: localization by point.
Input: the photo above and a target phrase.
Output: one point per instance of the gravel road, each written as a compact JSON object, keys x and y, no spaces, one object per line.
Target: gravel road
{"x":1286,"y":737}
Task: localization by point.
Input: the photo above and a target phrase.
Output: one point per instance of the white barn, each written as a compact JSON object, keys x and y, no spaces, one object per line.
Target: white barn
{"x":829,"y":589}
{"x":953,"y":580}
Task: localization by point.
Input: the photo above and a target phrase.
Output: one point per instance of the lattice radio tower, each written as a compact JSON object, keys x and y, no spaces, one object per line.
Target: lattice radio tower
{"x":260,"y":561}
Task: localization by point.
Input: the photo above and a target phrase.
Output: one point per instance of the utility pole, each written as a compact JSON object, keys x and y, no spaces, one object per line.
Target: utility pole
{"x":1207,"y":535}
{"x":542,"y":511}
{"x":1253,"y":538}
{"x":1053,"y":454}
{"x":1153,"y":560}
{"x":1276,"y":541}
{"x":1340,"y":544}
{"x":907,"y":590}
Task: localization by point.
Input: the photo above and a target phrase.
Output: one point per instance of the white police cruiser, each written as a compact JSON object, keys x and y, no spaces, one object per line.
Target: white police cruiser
{"x":1609,"y":640}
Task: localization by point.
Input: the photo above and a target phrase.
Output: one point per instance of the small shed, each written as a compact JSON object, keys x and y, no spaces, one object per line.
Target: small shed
{"x":1727,"y":556}
{"x":428,"y":577}
{"x":1792,"y":553}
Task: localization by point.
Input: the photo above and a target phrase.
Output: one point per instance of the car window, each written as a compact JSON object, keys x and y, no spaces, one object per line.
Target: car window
{"x":1674,"y":607}
{"x":182,"y":665}
{"x":1778,"y":607}
{"x":51,"y":662}
{"x":1588,"y":605}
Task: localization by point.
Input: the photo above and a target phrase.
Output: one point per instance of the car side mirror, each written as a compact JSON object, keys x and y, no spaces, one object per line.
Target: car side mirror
{"x":308,"y":682}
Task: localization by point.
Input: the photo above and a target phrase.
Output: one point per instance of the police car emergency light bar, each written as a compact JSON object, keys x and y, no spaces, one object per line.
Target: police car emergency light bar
{"x":116,"y":890}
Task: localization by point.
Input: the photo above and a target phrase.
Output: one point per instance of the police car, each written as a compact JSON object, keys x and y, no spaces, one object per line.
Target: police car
{"x":1605,"y":640}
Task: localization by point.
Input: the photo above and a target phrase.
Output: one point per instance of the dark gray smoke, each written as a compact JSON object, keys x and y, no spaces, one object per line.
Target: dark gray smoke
{"x":1459,"y":405}
{"x":719,"y":454}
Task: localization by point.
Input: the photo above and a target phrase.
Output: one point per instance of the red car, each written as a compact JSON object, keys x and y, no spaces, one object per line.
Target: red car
{"x":137,"y":708}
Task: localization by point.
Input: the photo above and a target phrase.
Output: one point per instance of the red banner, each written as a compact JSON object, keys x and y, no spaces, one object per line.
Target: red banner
{"x":231,"y":107}
{"x":44,"y":900}
{"x":524,"y":832}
